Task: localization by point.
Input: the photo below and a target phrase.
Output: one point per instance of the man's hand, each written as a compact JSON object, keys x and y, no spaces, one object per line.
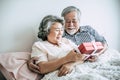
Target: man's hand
{"x":92,"y":58}
{"x":32,"y":66}
{"x":65,"y":69}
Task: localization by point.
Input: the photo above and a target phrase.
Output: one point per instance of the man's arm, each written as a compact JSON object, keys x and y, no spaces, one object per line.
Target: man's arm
{"x":68,"y":67}
{"x":45,"y":66}
{"x":103,"y":50}
{"x":32,"y":66}
{"x":93,"y":58}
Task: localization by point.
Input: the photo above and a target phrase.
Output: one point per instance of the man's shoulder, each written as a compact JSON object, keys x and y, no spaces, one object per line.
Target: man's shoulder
{"x":86,"y":28}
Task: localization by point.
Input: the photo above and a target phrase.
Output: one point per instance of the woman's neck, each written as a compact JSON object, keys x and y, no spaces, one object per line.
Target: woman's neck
{"x":53,"y":43}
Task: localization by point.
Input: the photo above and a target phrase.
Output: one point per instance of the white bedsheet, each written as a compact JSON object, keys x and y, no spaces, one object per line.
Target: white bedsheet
{"x":107,"y":67}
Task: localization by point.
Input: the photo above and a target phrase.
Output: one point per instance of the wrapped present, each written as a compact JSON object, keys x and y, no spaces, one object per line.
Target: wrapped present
{"x":90,"y":47}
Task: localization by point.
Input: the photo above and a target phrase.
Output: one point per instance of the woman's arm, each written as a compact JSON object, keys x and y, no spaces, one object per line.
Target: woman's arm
{"x":48,"y":66}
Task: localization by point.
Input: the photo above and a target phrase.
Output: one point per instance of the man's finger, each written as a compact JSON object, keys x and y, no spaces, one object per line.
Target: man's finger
{"x":35,"y":58}
{"x":62,"y":72}
{"x":34,"y":66}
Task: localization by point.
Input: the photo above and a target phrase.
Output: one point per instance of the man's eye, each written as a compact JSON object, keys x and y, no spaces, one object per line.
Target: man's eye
{"x":68,"y":21}
{"x":74,"y":21}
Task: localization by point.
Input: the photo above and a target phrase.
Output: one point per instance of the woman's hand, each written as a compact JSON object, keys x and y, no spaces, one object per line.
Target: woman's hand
{"x":73,"y":56}
{"x":65,"y":69}
{"x":32,"y":66}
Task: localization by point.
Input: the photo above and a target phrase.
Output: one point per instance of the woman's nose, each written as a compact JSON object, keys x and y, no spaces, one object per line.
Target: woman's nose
{"x":71,"y":23}
{"x":60,"y":32}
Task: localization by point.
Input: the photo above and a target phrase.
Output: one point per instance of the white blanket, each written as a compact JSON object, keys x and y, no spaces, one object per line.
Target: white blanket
{"x":107,"y":67}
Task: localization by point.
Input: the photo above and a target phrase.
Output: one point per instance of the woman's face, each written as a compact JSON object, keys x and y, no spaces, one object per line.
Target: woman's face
{"x":56,"y":32}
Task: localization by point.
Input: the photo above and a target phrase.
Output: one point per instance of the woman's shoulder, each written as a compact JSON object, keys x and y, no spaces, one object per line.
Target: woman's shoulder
{"x":64,"y":40}
{"x":39,"y":43}
{"x":67,"y":41}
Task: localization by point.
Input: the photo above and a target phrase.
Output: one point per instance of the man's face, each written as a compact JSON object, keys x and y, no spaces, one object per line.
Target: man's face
{"x":71,"y":23}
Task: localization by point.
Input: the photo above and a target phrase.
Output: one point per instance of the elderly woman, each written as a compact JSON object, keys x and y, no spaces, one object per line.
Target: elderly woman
{"x":54,"y":52}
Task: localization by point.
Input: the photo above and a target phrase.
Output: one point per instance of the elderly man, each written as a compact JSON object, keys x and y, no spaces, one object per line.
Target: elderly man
{"x":79,"y":34}
{"x":76,"y":33}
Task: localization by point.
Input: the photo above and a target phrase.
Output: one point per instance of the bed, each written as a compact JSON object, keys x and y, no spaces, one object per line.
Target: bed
{"x":107,"y":67}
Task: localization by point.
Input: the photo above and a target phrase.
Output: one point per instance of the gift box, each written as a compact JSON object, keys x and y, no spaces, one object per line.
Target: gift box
{"x":88,"y":47}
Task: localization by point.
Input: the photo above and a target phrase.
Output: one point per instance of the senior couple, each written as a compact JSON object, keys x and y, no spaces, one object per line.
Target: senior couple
{"x":55,"y":55}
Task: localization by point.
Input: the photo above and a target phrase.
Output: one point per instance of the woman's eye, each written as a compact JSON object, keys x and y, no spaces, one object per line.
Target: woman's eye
{"x":57,"y":30}
{"x":62,"y":29}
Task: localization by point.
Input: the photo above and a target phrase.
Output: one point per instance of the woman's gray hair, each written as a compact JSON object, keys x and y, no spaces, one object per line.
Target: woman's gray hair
{"x":45,"y":25}
{"x":70,"y":9}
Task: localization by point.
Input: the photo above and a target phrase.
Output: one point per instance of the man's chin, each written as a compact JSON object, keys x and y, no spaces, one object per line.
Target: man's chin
{"x":72,"y":32}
